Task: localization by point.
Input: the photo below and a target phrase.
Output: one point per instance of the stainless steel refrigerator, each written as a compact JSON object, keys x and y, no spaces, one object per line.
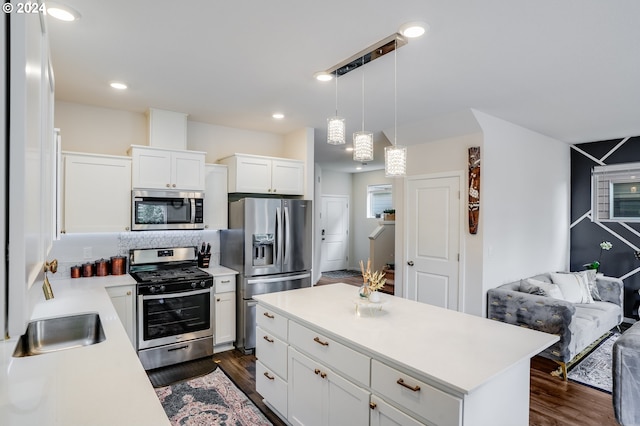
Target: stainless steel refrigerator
{"x":269,"y":243}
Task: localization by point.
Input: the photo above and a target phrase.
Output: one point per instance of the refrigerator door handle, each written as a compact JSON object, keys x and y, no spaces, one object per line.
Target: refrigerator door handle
{"x":278,"y":247}
{"x":279,"y":279}
{"x":287,"y":237}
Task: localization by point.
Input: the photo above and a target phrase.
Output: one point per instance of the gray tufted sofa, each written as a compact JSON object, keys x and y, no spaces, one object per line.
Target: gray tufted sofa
{"x":626,"y":377}
{"x":577,"y":324}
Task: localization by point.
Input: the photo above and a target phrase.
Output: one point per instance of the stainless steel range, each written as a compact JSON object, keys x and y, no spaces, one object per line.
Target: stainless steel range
{"x":175,"y":299}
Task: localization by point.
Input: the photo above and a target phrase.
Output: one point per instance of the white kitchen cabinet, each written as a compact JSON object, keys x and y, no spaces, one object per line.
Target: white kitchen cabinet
{"x":124,"y":301}
{"x":157,"y":168}
{"x":265,"y":175}
{"x":225,"y":312}
{"x":97,"y":193}
{"x":216,"y":209}
{"x":319,"y":396}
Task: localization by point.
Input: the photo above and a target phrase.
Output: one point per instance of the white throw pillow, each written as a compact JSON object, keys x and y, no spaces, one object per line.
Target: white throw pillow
{"x":549,"y":289}
{"x":574,"y":286}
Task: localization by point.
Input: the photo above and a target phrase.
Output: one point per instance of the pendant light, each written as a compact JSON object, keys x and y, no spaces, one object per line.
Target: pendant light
{"x":395,"y":156}
{"x":363,"y":140}
{"x":336,"y":128}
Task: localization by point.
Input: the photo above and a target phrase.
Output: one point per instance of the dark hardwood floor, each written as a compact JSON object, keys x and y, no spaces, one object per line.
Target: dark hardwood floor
{"x":553,"y":401}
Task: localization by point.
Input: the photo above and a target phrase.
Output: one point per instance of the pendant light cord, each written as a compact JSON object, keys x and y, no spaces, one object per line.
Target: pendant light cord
{"x":363,"y":94}
{"x":336,"y":93}
{"x":395,"y":94}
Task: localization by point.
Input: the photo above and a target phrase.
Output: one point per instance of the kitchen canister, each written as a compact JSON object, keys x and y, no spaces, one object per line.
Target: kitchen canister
{"x":102,"y":268}
{"x":87,"y":269}
{"x":75,"y":271}
{"x":118,"y":265}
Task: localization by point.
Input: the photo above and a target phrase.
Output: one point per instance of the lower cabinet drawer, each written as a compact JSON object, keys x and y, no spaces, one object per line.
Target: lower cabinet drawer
{"x":272,"y":352}
{"x":272,"y":388}
{"x":346,"y":360}
{"x":271,"y":321}
{"x":416,"y":396}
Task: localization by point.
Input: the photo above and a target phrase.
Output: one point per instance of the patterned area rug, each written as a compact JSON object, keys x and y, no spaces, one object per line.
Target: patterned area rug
{"x":343,"y":273}
{"x":212,"y":399}
{"x":594,"y":370}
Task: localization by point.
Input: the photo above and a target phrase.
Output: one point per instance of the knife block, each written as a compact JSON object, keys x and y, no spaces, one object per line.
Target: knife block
{"x":203,"y":260}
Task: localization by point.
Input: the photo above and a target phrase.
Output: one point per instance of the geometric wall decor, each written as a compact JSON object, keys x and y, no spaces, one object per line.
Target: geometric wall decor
{"x":587,"y":232}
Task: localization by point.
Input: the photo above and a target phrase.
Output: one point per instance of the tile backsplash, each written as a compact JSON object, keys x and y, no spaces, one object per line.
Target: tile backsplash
{"x":76,"y":249}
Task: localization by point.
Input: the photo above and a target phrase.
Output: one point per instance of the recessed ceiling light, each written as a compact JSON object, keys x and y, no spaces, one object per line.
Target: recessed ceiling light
{"x":278,"y":116}
{"x":413,"y":29}
{"x":359,"y":168}
{"x":323,"y":76}
{"x":349,"y":149}
{"x":62,"y":12}
{"x":117,"y":85}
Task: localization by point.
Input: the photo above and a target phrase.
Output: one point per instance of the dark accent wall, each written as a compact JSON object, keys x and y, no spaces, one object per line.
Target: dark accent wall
{"x":587,"y":235}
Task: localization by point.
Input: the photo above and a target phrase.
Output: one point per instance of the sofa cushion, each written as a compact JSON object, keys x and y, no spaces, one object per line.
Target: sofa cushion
{"x":540,"y":288}
{"x":574,"y":286}
{"x":593,"y":287}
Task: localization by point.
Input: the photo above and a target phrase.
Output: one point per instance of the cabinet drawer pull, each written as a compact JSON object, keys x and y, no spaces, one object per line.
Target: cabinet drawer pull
{"x":128,"y":293}
{"x":415,"y":388}
{"x":323,"y":375}
{"x":225,"y":281}
{"x":268,"y":376}
{"x":268,"y":315}
{"x":267,"y":339}
{"x":317,"y":340}
{"x":317,"y":371}
{"x":373,"y":405}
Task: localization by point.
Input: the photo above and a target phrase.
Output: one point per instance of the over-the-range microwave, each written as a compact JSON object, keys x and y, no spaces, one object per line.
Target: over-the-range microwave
{"x":162,"y":210}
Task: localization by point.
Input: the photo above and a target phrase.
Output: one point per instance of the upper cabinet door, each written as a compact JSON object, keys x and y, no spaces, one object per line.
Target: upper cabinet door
{"x":287,"y":177}
{"x":166,"y":169}
{"x":151,"y":169}
{"x":265,"y":175}
{"x":96,"y":193}
{"x":187,"y":170}
{"x":253,"y":175}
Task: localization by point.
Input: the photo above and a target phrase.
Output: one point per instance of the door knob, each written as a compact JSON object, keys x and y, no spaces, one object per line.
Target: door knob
{"x":410,"y":263}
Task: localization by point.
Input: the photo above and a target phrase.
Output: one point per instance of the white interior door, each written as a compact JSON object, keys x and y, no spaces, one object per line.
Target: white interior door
{"x":433,"y":239}
{"x":335,"y":233}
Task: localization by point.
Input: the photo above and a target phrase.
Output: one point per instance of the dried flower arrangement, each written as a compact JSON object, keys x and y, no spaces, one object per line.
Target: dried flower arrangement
{"x":374,"y":281}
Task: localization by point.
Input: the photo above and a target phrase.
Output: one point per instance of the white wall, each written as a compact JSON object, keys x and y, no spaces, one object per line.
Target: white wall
{"x":524,"y":202}
{"x":220,"y":141}
{"x":86,"y":128}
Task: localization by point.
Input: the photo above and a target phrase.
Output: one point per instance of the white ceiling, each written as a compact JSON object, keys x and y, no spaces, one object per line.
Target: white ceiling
{"x":569,"y":69}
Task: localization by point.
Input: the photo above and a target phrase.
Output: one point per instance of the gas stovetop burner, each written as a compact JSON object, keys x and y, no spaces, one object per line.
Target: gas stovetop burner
{"x":171,"y":274}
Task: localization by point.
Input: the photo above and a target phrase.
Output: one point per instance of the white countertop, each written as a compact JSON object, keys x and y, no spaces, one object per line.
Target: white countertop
{"x":101,"y":384}
{"x":459,"y":351}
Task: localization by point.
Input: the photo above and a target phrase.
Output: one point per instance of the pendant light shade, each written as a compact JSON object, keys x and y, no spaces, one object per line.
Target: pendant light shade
{"x":336,"y":127}
{"x":336,"y":130}
{"x":363,"y":140}
{"x":395,"y":156}
{"x":395,"y":161}
{"x":363,"y":146}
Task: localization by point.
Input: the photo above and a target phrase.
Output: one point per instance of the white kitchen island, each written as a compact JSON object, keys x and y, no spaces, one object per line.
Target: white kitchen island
{"x":322,"y":361}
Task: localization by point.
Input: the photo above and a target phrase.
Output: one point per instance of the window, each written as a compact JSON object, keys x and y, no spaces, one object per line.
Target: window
{"x":379,"y":199}
{"x":616,"y":192}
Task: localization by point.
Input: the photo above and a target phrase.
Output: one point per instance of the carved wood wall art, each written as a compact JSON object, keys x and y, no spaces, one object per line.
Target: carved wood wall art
{"x":474,"y":188}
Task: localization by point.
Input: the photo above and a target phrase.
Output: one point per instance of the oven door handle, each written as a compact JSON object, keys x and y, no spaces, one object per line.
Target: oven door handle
{"x":275,"y":280}
{"x":174,"y":295}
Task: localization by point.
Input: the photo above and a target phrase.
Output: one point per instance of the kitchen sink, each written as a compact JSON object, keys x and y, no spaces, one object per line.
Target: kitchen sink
{"x":60,"y":333}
